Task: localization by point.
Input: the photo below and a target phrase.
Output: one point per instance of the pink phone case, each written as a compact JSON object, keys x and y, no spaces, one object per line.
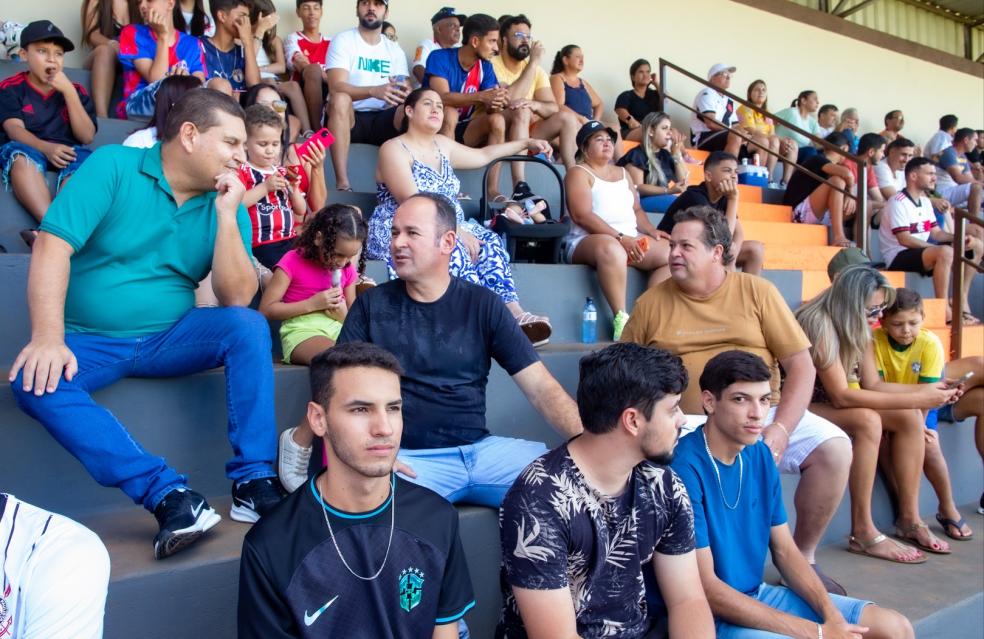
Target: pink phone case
{"x":327,"y":139}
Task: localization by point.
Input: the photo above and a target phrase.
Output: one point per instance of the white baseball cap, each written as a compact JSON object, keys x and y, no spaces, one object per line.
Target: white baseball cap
{"x":720,"y":67}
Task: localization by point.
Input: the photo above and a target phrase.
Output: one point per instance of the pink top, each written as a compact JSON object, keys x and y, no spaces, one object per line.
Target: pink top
{"x":308,"y":278}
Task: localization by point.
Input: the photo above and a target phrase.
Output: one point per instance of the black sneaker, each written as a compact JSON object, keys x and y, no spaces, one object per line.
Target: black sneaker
{"x":183,"y":516}
{"x":253,"y":499}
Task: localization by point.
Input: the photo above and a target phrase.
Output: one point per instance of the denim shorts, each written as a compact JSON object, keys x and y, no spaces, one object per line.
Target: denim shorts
{"x":787,"y":601}
{"x":13,"y":150}
{"x":141,"y":102}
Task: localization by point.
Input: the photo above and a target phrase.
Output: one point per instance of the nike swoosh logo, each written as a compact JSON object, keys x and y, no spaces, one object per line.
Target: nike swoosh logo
{"x":245,"y":502}
{"x":195,"y":511}
{"x":310,"y":619}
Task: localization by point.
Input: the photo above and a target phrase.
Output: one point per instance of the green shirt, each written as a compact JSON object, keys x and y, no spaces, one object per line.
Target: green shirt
{"x":138,"y":256}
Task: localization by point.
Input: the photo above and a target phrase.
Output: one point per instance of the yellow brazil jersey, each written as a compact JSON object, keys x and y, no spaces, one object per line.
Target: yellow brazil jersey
{"x":920,"y":362}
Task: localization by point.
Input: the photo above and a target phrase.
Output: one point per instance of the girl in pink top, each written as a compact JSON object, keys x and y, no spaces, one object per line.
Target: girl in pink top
{"x":313,"y":285}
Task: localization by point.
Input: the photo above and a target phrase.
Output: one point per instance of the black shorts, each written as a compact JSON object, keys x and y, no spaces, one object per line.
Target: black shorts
{"x":712,"y":140}
{"x":272,"y":252}
{"x":374,"y":127}
{"x":910,"y":261}
{"x":459,"y":131}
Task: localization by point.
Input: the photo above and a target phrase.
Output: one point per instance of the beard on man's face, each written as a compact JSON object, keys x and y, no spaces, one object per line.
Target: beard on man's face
{"x":518,"y":53}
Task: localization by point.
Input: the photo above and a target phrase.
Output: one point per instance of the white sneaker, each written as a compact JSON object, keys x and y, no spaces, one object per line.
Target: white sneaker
{"x":292,"y":462}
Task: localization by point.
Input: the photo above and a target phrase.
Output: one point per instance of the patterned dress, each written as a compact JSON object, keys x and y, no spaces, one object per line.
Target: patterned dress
{"x":492,"y":269}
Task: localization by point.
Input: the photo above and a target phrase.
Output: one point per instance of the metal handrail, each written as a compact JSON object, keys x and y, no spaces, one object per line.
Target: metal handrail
{"x":861,"y":213}
{"x":956,"y":308}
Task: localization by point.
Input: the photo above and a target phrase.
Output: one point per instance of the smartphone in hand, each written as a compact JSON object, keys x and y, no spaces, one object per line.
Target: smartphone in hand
{"x":324,"y":135}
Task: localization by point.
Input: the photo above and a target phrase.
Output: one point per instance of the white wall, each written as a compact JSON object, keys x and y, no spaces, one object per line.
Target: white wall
{"x":789,"y":55}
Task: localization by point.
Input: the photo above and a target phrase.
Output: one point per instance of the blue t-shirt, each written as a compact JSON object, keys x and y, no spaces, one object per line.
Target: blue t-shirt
{"x":446,"y":348}
{"x":739,"y":539}
{"x":230,"y":65}
{"x":444,"y":63}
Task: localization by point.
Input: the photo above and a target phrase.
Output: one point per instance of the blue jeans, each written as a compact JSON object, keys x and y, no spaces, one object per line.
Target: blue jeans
{"x":478,"y":473}
{"x":13,"y":150}
{"x":203,"y":338}
{"x":657,"y":203}
{"x":784,"y":599}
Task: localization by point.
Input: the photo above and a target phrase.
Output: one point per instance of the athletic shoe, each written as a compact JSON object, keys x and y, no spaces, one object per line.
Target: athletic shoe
{"x":618,"y":324}
{"x":536,"y":327}
{"x":292,"y":461}
{"x":980,"y":505}
{"x":255,"y":498}
{"x":183,"y":516}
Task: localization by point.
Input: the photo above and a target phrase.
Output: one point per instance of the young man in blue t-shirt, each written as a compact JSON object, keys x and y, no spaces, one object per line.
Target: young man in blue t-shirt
{"x":466,"y":82}
{"x":954,"y":179}
{"x":736,"y":497}
{"x":230,"y":67}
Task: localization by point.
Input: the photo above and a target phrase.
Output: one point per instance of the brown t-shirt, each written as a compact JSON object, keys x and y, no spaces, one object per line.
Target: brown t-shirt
{"x":746,"y":312}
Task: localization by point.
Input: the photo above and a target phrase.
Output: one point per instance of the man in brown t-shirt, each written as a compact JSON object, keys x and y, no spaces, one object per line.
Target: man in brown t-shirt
{"x":704,"y":309}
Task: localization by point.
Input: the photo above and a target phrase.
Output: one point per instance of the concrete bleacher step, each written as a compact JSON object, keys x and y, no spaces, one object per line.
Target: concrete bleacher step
{"x":761,"y":212}
{"x":798,"y":258}
{"x":785,"y":234}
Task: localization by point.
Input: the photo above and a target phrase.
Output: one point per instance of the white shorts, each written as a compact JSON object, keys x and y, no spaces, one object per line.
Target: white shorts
{"x":956,"y":194}
{"x":803,"y":213}
{"x":812,"y":431}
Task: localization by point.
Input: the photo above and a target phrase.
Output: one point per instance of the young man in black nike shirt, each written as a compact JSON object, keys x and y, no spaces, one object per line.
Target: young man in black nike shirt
{"x":357,"y":551}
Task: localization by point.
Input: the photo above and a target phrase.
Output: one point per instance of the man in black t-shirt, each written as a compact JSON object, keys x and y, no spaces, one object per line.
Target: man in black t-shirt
{"x":586,"y":522}
{"x":357,"y":552}
{"x":818,"y":202}
{"x":719,"y":190}
{"x":445,"y":333}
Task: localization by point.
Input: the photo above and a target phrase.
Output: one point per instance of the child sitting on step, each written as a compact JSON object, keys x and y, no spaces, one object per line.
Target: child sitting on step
{"x":907,"y":353}
{"x":313,"y":287}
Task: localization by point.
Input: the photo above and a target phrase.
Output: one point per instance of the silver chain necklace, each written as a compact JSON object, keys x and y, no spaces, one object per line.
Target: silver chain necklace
{"x":389,"y":544}
{"x":717,"y":473}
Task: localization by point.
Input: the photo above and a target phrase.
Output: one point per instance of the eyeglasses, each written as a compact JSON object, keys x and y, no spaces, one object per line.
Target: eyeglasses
{"x":875,"y":311}
{"x":522,"y":36}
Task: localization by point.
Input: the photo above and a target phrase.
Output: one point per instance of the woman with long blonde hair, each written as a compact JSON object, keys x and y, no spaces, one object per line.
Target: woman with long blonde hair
{"x":849,"y":392}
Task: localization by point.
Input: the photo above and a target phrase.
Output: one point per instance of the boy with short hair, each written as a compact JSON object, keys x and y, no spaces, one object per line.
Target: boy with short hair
{"x":150,"y":52}
{"x":307,"y":52}
{"x":45,"y":117}
{"x":230,"y":66}
{"x":273,"y":198}
{"x":907,"y":353}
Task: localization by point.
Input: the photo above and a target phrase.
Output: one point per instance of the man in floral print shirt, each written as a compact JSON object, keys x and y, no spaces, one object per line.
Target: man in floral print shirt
{"x":584,"y":522}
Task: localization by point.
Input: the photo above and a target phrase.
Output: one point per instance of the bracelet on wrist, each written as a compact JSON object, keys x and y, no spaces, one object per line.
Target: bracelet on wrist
{"x":782,"y":427}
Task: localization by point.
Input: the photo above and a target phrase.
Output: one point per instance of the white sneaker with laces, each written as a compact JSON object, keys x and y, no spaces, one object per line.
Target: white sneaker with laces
{"x":292,"y":461}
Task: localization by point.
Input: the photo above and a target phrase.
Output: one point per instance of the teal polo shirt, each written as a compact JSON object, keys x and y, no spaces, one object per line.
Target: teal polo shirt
{"x":138,"y":255}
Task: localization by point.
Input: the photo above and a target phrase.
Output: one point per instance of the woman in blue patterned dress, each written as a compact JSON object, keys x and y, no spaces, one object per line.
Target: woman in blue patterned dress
{"x":422,"y":160}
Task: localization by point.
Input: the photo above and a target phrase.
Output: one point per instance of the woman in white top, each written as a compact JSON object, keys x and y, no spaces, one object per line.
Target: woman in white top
{"x":610,"y":230}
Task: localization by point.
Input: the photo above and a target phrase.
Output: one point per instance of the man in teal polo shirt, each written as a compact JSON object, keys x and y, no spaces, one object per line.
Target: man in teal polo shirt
{"x":111,"y":293}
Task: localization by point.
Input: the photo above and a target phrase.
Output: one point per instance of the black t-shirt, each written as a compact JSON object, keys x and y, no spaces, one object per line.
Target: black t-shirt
{"x":292,"y":582}
{"x":446,"y":349}
{"x":802,"y":185}
{"x":975,"y":156}
{"x":559,"y":532}
{"x":637,"y":158}
{"x":695,"y":195}
{"x":637,"y":107}
{"x":46,"y":116}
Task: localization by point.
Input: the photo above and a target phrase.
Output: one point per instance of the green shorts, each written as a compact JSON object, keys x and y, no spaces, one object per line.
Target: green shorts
{"x":304,"y":327}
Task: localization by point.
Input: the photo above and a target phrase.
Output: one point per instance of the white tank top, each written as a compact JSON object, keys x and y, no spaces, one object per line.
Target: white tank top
{"x":613,"y":202}
{"x":262,"y":59}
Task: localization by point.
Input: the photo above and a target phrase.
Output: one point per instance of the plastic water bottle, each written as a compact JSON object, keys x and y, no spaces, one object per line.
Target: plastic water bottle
{"x":336,"y":277}
{"x":589,"y":322}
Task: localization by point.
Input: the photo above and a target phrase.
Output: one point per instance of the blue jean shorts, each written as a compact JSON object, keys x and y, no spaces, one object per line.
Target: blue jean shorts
{"x":784,"y":599}
{"x":13,"y":150}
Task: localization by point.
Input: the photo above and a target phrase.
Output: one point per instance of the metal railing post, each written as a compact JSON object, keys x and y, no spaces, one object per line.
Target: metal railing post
{"x":957,"y":277}
{"x":662,"y":84}
{"x":861,"y":215}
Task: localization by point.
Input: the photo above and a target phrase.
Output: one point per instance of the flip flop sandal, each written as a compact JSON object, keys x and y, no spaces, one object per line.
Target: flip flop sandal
{"x":970,"y":320}
{"x":864,"y":546}
{"x":907,"y":534}
{"x":947,"y":523}
{"x":536,"y":327}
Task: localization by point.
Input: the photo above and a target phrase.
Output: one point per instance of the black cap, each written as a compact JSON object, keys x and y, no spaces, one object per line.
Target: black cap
{"x":448,"y":12}
{"x":590,"y":128}
{"x":44,"y":31}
